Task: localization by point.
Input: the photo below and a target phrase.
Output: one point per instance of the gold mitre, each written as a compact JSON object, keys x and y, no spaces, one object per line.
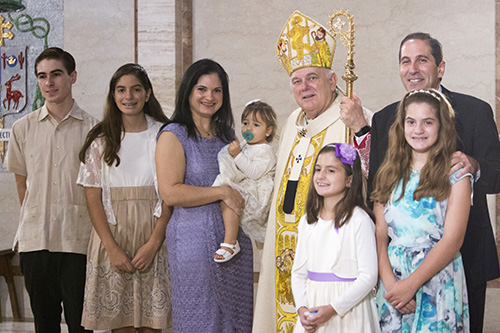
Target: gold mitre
{"x":304,"y":42}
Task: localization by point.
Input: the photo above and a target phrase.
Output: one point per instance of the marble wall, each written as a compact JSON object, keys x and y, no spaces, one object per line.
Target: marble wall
{"x":100,"y":35}
{"x":157,"y":49}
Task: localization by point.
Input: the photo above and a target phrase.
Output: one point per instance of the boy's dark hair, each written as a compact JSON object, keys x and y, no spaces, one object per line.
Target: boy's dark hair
{"x":58,"y":54}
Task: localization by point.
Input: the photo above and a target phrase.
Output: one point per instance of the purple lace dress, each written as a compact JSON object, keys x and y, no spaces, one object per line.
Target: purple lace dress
{"x":206,"y":296}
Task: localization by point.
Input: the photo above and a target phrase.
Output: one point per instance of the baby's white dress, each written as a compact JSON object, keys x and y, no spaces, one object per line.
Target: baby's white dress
{"x":251,"y":172}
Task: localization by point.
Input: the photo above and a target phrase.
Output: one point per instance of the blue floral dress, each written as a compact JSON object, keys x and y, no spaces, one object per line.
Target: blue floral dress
{"x":414,"y":227}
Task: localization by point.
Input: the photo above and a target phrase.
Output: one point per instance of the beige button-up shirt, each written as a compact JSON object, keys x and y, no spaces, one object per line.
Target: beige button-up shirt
{"x":53,"y":215}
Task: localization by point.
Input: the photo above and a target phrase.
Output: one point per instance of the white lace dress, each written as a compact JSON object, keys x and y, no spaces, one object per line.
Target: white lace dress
{"x":252,"y":174}
{"x":130,"y":199}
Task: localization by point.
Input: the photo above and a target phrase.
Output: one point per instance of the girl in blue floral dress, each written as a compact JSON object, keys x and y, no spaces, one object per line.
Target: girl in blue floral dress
{"x":421,"y":217}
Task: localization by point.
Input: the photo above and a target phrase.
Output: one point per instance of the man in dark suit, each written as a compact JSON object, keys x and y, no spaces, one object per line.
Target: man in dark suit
{"x":421,"y":67}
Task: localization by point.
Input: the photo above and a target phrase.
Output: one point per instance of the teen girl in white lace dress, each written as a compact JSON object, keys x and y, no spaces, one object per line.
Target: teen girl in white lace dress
{"x":127,"y":286}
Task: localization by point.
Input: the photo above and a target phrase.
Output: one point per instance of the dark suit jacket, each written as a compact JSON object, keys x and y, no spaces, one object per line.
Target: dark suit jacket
{"x":478,"y":138}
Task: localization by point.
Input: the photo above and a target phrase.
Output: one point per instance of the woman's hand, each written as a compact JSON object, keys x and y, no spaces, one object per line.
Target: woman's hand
{"x":120,"y":261}
{"x":144,"y":257}
{"x":400,"y":295}
{"x":305,"y":315}
{"x":321,"y":314}
{"x":234,"y":200}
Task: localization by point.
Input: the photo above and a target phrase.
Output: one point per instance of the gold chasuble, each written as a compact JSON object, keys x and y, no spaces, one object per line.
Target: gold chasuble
{"x":299,"y":144}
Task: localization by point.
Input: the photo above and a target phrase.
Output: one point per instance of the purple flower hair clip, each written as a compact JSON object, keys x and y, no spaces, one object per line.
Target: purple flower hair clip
{"x":345,"y":152}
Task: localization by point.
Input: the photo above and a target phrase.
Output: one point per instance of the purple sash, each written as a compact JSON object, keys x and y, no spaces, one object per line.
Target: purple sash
{"x":327,"y":277}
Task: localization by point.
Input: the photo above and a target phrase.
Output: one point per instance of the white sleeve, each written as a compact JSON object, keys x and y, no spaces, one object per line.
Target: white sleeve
{"x":299,"y":268}
{"x":366,"y":252}
{"x":256,"y":165}
{"x":89,"y":174}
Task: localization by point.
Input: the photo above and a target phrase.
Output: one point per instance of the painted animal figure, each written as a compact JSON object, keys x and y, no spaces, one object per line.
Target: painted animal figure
{"x":12,"y":95}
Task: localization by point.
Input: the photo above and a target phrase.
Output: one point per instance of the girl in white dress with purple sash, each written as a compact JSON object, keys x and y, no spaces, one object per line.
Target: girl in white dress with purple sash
{"x":335,"y":267}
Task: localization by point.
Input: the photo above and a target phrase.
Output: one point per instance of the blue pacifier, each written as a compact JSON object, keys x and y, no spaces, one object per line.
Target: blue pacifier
{"x":247,"y":135}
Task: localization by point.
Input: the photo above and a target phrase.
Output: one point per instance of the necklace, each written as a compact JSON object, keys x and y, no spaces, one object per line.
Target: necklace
{"x":205,"y":133}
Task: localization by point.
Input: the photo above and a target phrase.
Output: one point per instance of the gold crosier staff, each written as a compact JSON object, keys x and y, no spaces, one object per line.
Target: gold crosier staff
{"x":343,"y":18}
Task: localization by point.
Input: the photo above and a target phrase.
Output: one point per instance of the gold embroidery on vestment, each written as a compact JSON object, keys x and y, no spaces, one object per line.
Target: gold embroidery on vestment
{"x":286,"y":232}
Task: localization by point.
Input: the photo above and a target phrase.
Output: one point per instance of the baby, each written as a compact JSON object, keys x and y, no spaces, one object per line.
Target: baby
{"x":248,"y":168}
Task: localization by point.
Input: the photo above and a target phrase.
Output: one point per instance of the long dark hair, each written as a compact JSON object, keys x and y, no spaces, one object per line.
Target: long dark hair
{"x":222,"y":119}
{"x":353,"y":196}
{"x":111,"y":126}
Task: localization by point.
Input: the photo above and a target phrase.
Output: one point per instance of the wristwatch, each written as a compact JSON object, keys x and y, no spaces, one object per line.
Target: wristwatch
{"x":363,"y":131}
